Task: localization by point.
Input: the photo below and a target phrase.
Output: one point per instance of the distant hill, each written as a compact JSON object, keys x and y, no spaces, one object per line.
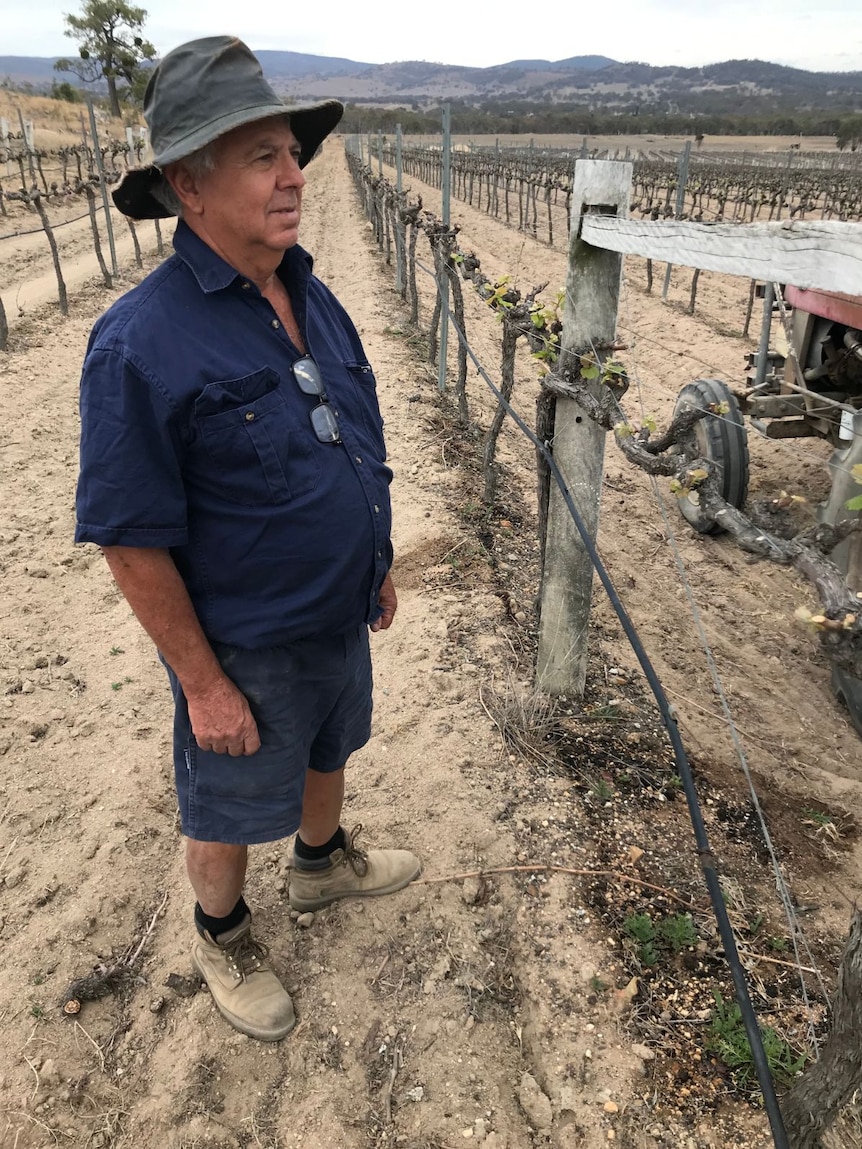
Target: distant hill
{"x":743,"y":87}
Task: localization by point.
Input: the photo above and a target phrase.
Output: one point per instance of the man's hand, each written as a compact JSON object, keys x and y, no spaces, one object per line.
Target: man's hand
{"x":222,"y":721}
{"x":388,"y":600}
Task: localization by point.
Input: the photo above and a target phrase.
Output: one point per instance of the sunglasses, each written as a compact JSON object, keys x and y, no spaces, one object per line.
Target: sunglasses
{"x":323,"y":418}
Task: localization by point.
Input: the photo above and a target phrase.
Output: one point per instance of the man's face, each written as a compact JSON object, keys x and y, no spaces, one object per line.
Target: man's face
{"x":253,"y":197}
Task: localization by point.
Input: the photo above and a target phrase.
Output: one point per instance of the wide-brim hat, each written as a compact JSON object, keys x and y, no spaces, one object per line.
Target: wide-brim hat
{"x":197,"y":93}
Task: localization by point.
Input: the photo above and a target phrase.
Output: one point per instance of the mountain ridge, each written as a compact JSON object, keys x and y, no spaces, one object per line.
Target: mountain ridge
{"x":593,"y":80}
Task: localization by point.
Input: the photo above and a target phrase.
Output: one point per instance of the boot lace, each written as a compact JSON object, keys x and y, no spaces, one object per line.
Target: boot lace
{"x":244,"y":956}
{"x":354,"y":855}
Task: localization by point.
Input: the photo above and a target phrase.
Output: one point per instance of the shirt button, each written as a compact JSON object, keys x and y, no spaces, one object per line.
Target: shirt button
{"x":276,"y":324}
{"x":358,"y":458}
{"x":376,"y":509}
{"x":246,"y":287}
{"x":380,"y":554}
{"x":249,"y":415}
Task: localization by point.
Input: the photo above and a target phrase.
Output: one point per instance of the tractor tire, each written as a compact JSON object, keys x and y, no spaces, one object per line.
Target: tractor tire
{"x":848,"y":690}
{"x":722,"y":440}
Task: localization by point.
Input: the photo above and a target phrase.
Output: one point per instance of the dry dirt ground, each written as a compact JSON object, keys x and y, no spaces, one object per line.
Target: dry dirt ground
{"x":490,"y":1010}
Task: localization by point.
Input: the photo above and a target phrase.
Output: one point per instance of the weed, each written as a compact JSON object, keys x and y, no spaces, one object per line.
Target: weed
{"x":606,"y":710}
{"x":819,"y":817}
{"x":37,"y":1011}
{"x":678,"y":931}
{"x":777,"y":945}
{"x":115,"y":650}
{"x":756,"y":924}
{"x":601,"y":790}
{"x":597,"y":985}
{"x":116,"y":686}
{"x":728,"y":1039}
{"x":641,"y":929}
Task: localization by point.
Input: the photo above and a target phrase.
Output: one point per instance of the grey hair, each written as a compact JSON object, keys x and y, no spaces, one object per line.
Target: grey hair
{"x":197,"y":164}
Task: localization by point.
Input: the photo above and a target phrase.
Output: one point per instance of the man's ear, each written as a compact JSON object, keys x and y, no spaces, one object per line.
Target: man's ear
{"x":185,"y":187}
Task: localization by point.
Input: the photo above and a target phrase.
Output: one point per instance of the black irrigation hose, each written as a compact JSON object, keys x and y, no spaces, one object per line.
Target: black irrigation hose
{"x":54,"y":226}
{"x":707,"y":861}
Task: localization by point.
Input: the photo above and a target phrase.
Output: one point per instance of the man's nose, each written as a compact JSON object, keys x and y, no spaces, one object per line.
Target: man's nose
{"x":290,"y":173}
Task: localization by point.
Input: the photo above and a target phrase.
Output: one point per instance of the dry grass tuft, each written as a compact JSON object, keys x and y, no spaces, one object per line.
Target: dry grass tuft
{"x":528,"y":721}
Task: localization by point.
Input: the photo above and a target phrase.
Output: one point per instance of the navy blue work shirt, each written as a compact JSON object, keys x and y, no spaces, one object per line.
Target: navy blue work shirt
{"x":196,"y":437}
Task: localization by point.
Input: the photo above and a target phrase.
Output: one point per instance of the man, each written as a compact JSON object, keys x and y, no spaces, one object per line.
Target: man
{"x":232,"y":470}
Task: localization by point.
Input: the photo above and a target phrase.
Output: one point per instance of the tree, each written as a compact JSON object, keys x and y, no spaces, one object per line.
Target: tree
{"x":110,"y":45}
{"x":849,"y":133}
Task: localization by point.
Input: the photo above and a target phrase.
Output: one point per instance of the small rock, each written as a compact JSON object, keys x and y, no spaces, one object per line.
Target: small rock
{"x":49,"y":1074}
{"x":602,"y":1096}
{"x":27,"y":686}
{"x":611,"y":1107}
{"x":15,"y":877}
{"x":156,"y":1004}
{"x":520,"y":616}
{"x":38,"y":572}
{"x":535,"y":1103}
{"x":471,"y":890}
{"x":643,"y":1052}
{"x":416,"y":1094}
{"x":480,"y":1129}
{"x":304,"y":921}
{"x":183,"y":986}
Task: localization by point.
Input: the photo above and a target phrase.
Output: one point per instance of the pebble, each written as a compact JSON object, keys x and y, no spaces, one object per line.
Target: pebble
{"x":416,"y":1094}
{"x":611,"y":1107}
{"x":156,"y":1004}
{"x":27,"y":686}
{"x":304,"y":921}
{"x":643,"y":1052}
{"x":471,"y":890}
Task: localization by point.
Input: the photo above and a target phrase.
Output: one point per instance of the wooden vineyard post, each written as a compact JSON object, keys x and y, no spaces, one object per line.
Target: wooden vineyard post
{"x":26,"y":138}
{"x":443,"y":279}
{"x":589,"y":322}
{"x":399,"y":227}
{"x":97,"y":155}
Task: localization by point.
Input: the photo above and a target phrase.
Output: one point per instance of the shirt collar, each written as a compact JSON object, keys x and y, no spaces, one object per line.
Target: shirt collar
{"x":215,"y":274}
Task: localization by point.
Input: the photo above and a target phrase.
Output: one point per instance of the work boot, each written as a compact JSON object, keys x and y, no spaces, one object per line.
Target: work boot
{"x":245,"y":990}
{"x":352,"y":873}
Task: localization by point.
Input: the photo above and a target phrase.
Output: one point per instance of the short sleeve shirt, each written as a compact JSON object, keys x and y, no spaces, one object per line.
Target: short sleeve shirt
{"x":196,"y":437}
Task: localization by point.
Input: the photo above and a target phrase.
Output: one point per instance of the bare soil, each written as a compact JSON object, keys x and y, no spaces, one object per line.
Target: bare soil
{"x":493,"y":1009}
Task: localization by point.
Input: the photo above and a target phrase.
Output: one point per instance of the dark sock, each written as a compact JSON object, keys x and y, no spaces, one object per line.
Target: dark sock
{"x":317,"y":857}
{"x":216,"y":926}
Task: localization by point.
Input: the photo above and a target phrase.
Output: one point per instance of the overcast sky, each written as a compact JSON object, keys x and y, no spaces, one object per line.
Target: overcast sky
{"x":821,"y":35}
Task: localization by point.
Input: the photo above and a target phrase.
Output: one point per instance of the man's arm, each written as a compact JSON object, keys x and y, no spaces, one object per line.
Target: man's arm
{"x":219,"y":713}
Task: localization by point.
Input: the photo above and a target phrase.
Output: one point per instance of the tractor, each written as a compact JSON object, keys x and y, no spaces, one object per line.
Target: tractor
{"x":808,"y":386}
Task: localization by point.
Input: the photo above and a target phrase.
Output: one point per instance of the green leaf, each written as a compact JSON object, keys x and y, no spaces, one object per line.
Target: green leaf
{"x":854,"y":504}
{"x":590,"y":372}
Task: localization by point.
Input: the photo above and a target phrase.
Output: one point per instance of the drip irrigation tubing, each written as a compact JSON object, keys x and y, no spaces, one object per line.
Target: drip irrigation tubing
{"x":54,"y":226}
{"x":705,"y":856}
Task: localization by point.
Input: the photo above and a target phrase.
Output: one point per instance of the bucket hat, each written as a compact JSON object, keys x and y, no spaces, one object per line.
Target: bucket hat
{"x":200,"y":91}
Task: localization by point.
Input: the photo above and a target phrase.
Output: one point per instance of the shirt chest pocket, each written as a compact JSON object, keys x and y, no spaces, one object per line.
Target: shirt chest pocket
{"x":253,"y":450}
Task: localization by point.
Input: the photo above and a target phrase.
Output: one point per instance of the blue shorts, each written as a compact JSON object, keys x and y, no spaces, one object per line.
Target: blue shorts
{"x":312,"y":703}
